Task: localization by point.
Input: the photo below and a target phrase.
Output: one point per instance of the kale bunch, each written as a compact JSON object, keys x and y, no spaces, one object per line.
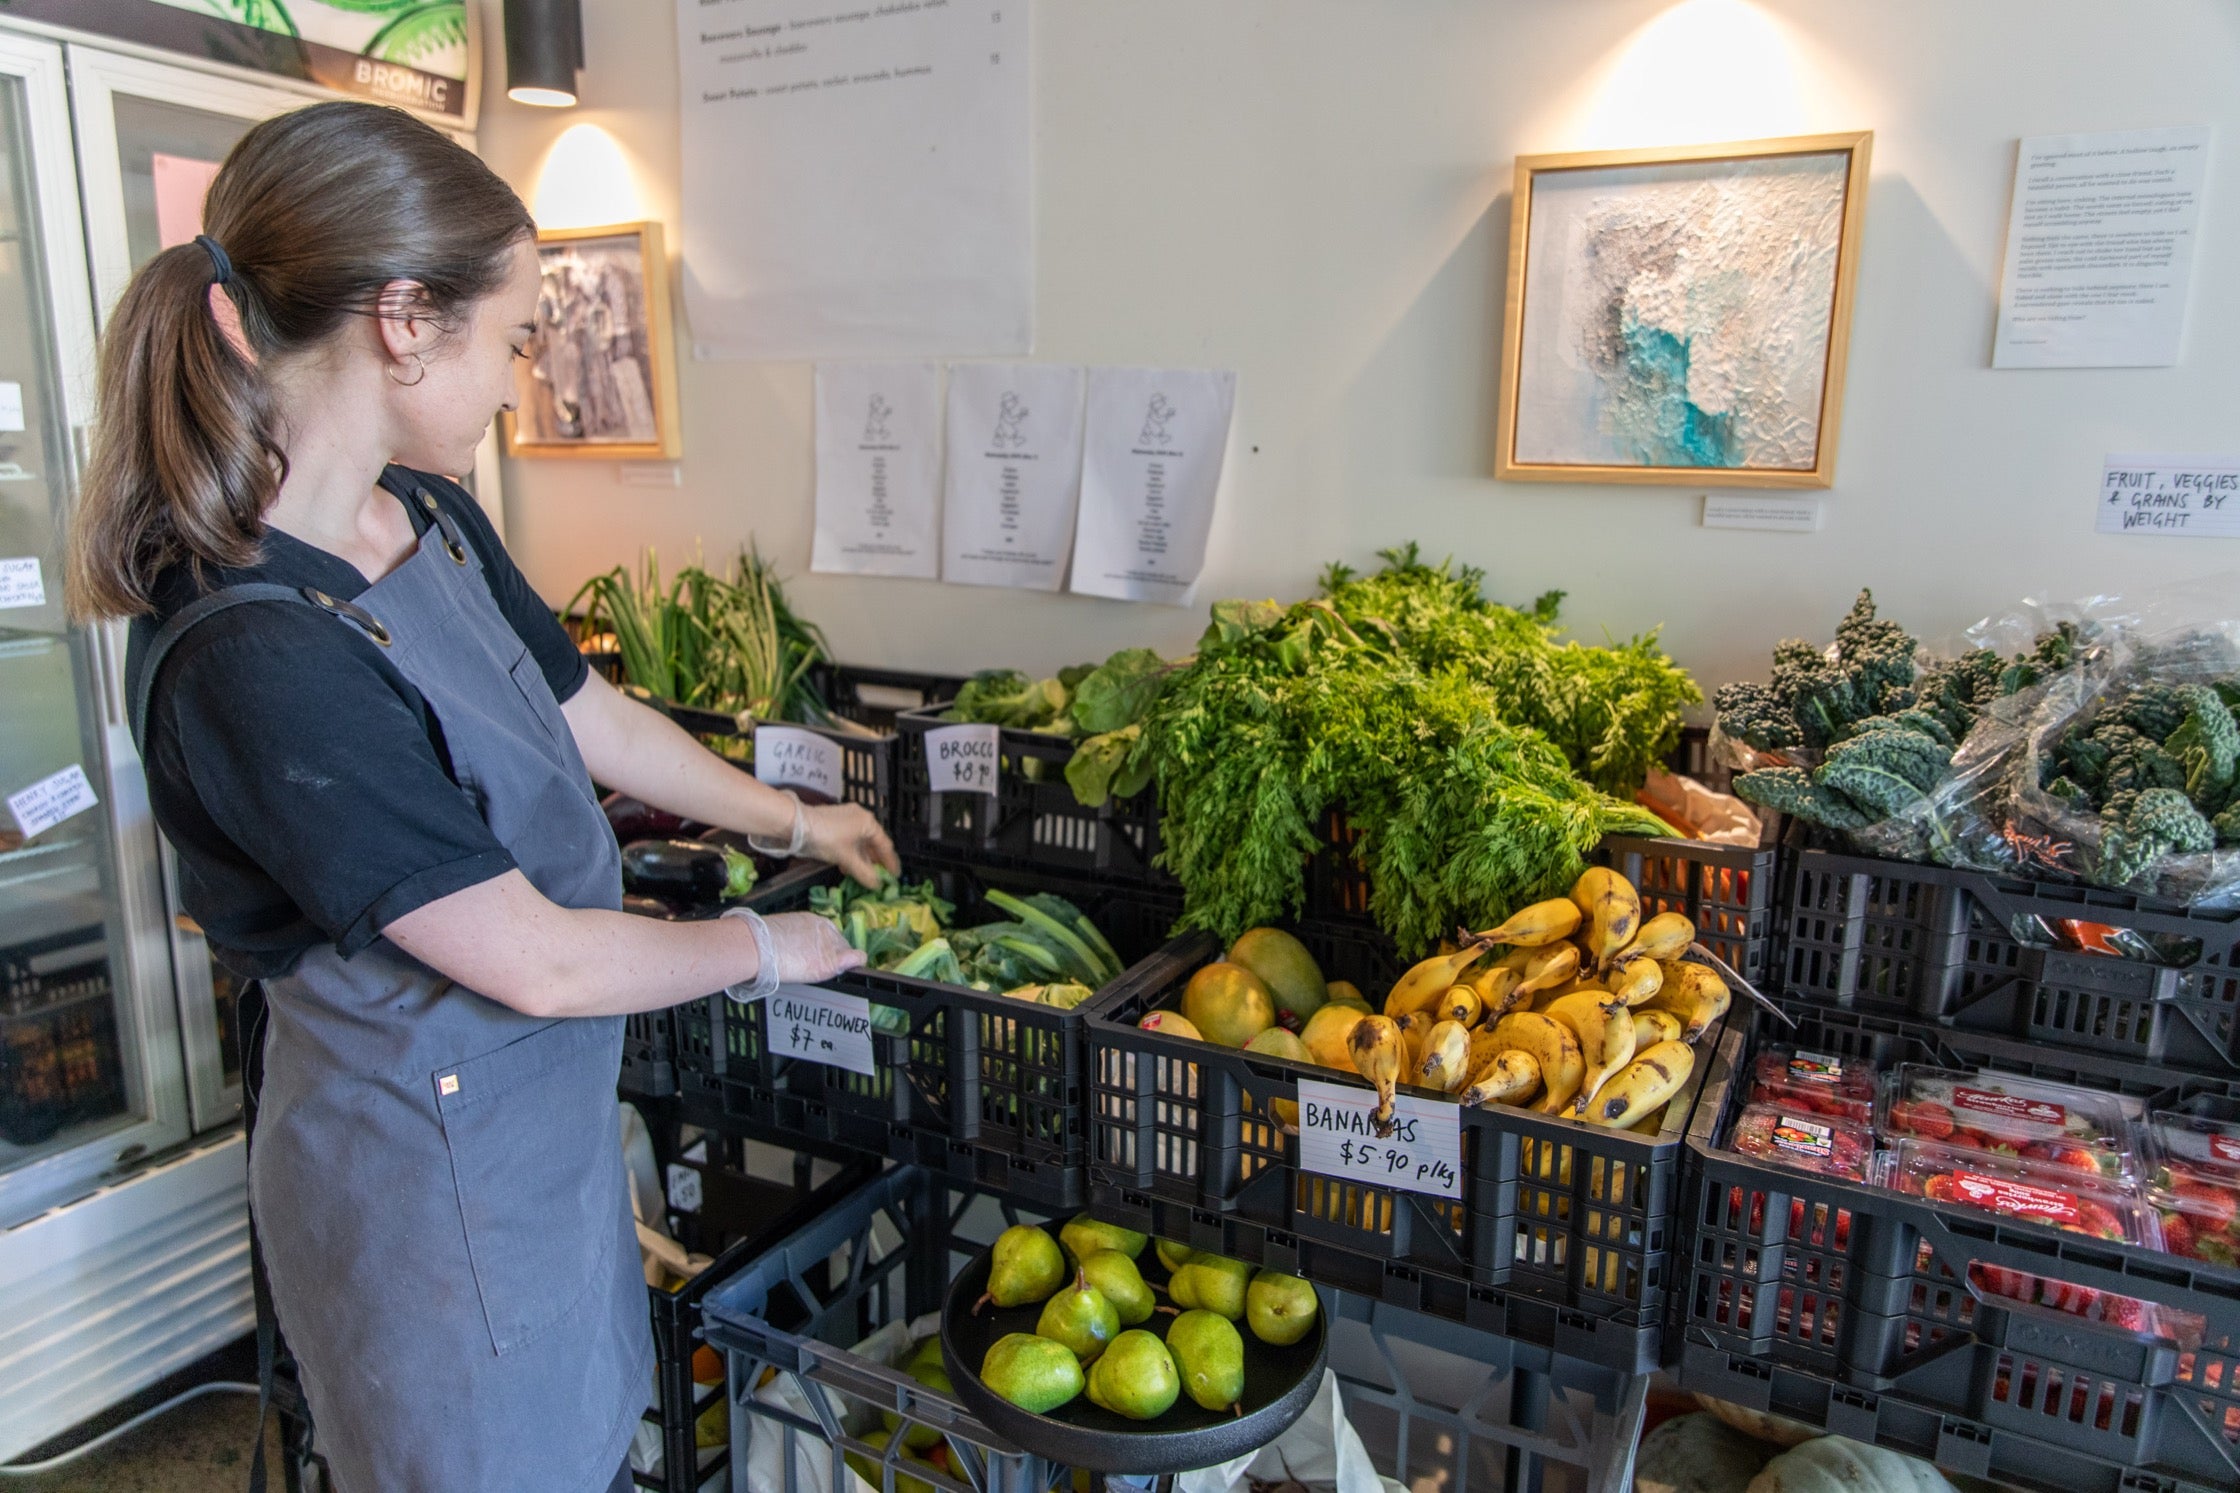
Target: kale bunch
{"x":1813,"y":698}
{"x":1882,"y":766}
{"x":2137,"y":829}
{"x":2159,"y":765}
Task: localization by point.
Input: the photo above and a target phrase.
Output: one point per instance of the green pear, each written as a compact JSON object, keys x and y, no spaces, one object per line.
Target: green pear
{"x":930,"y":1373}
{"x":1081,"y":1318}
{"x":1083,"y":1236}
{"x":1122,"y":1283}
{"x":1032,"y":1372}
{"x":870,"y":1470}
{"x":1135,"y":1377}
{"x":1025,"y":1267}
{"x":1211,"y":1283}
{"x":1209,"y":1354}
{"x":1174,"y":1256}
{"x":1280,"y":1308}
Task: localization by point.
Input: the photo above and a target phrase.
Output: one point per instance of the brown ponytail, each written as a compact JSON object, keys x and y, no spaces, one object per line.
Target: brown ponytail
{"x":317,"y":211}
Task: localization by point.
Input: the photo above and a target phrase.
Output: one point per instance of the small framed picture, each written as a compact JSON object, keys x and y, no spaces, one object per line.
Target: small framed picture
{"x":1681,"y":316}
{"x":601,"y":376}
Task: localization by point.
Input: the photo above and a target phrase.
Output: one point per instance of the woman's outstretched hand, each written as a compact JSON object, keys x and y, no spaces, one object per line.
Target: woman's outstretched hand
{"x":847,"y":836}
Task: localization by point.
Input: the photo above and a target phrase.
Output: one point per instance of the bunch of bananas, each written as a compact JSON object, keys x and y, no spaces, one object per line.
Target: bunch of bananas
{"x":1574,"y":1006}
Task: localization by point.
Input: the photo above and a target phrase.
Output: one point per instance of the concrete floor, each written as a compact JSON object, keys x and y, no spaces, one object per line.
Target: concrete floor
{"x":201,"y":1447}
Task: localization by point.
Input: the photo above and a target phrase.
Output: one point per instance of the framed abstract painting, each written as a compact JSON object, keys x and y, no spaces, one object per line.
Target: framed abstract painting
{"x":1681,"y":315}
{"x":600,"y":379}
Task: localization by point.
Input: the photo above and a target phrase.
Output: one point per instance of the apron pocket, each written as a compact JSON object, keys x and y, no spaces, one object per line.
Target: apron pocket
{"x":531,"y":1131}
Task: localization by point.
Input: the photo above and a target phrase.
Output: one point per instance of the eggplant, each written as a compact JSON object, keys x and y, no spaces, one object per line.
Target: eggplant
{"x":648,"y":907}
{"x":686,"y":872}
{"x":632,"y":819}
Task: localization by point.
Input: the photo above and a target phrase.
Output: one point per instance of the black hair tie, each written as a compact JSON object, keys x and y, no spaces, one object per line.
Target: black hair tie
{"x":221,"y":268}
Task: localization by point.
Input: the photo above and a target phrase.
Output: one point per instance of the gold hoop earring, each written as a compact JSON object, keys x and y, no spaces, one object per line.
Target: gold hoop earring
{"x":407,"y":383}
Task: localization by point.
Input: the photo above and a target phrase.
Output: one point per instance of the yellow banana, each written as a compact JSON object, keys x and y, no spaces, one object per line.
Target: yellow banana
{"x":1550,"y":968}
{"x":1376,"y":1048}
{"x":1497,"y":992}
{"x":1326,"y":1034}
{"x":1694,"y":994}
{"x":1415,"y":1030}
{"x":1445,"y":1064}
{"x":1461,"y":1004}
{"x":1634,"y":978}
{"x":1651,"y":1026}
{"x":1619,"y":1034}
{"x":1509,"y":1078}
{"x":1613,"y":912}
{"x":1421,"y":987}
{"x":1483,"y":1049}
{"x":1665,"y":936}
{"x":1552,"y":1046}
{"x":1648,"y":1082}
{"x":1541,"y":923}
{"x":1653,"y":1124}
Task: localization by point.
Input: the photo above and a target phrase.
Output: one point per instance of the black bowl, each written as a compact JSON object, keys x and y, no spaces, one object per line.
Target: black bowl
{"x":1279,"y":1383}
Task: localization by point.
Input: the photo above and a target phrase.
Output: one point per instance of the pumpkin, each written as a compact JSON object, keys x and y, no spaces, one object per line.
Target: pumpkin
{"x":1779,"y":1430}
{"x":1836,"y":1464}
{"x":1696,"y":1454}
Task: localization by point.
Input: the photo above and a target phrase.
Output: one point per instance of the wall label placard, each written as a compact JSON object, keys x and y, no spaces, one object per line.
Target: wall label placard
{"x":820,"y":1026}
{"x":2186,"y":497}
{"x":51,"y":800}
{"x":964,"y":759}
{"x":1338,"y":1138}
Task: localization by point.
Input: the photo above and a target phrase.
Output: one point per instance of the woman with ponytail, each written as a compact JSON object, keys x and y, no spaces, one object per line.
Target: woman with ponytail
{"x":373,"y":749}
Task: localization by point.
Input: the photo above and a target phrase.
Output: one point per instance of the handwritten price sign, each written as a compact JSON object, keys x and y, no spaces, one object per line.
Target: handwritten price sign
{"x":963,"y":759}
{"x":788,"y":757}
{"x":1338,"y":1138}
{"x":821,"y":1026}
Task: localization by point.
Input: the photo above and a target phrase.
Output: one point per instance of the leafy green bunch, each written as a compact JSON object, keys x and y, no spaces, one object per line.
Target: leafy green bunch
{"x":2159,"y":764}
{"x":1614,"y":712}
{"x":1287,"y":713}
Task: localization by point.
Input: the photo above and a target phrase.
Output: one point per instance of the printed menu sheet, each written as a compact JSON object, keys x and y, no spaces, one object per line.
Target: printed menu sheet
{"x":857,"y":177}
{"x":878,"y":469}
{"x":1014,"y":474}
{"x":1153,"y":450}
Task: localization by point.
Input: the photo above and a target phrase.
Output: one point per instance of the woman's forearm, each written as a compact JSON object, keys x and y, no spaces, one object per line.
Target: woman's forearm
{"x":639,"y":750}
{"x":502,"y":938}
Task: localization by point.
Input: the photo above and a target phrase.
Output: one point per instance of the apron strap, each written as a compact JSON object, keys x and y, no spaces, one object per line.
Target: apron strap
{"x":202,"y":608}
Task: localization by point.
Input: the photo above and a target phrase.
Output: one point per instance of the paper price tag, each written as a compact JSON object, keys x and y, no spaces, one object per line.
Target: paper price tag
{"x":963,"y":759}
{"x":684,"y":1188}
{"x":21,"y":584}
{"x":51,"y":800}
{"x":822,"y":1026}
{"x":789,"y":757}
{"x":1338,"y":1138}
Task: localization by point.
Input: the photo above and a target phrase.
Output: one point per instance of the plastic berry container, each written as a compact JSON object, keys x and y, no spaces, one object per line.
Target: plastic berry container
{"x":1815,"y":1083}
{"x":2012,"y":1118}
{"x":2196,"y":1186}
{"x":2034,"y":1192}
{"x":1806,"y":1141}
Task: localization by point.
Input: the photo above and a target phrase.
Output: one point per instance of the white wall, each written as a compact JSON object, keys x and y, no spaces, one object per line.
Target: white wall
{"x":1316,"y":193}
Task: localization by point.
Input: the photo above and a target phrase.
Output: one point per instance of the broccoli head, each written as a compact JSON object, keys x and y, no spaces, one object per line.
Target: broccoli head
{"x":2153,"y":709}
{"x":2207,"y":745}
{"x":2137,"y":829}
{"x":1792,"y":791}
{"x":1752,"y":713}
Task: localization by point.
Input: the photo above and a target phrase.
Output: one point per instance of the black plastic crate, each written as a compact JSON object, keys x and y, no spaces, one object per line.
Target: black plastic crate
{"x":1561,"y":1238}
{"x":1032,"y":819}
{"x":1852,"y":1308}
{"x":2015,"y":958}
{"x":649,"y":1069}
{"x":882,"y":1255}
{"x":981,"y":1088}
{"x":878,"y":698}
{"x":734,"y":1217}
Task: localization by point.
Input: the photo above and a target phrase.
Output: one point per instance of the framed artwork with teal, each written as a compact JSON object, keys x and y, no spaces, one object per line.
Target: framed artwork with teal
{"x":1681,"y":315}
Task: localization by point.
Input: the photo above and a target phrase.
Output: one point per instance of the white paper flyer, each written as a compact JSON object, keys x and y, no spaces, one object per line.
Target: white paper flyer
{"x":878,"y":469}
{"x":1014,"y":474}
{"x":1153,"y":449}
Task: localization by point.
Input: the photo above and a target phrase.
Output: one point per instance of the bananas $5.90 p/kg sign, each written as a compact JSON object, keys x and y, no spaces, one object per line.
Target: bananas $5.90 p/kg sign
{"x":1338,"y":1138}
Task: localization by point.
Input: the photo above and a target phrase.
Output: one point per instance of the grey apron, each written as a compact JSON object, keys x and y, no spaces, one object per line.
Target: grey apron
{"x":436,"y":1178}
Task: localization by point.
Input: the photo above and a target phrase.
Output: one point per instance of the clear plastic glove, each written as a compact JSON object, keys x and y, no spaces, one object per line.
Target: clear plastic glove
{"x":810,"y":950}
{"x":848,"y":837}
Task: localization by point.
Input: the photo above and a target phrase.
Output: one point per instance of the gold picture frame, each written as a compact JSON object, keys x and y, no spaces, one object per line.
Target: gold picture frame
{"x":1594,"y":369}
{"x":600,"y":380}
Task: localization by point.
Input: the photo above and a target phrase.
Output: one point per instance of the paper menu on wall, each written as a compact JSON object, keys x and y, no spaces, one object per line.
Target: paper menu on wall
{"x":878,"y":469}
{"x":1152,"y":451}
{"x":856,"y":177}
{"x":181,"y":183}
{"x":2100,"y":242}
{"x":2190,"y":497}
{"x":1014,"y":463}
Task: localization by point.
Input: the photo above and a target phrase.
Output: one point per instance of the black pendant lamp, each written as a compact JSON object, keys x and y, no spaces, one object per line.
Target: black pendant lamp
{"x":544,"y":50}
